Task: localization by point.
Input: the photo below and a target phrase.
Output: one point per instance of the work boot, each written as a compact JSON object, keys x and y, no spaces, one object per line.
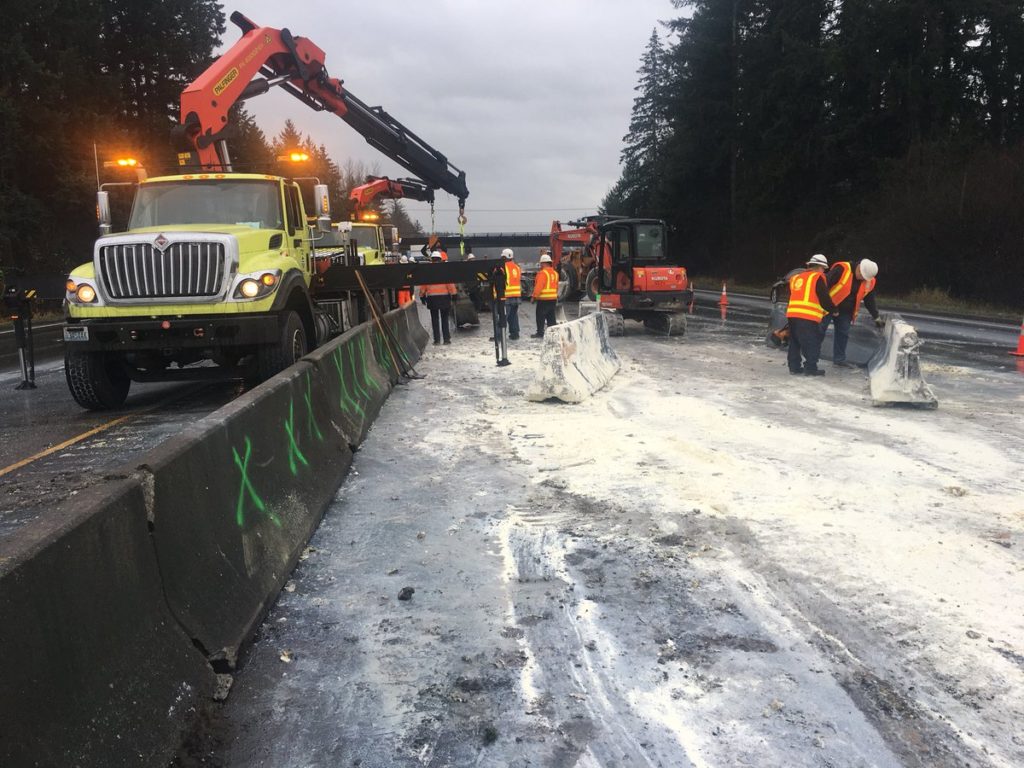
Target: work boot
{"x":797,"y":372}
{"x":843,"y":364}
{"x":813,"y":372}
{"x":536,"y":335}
{"x":447,"y":341}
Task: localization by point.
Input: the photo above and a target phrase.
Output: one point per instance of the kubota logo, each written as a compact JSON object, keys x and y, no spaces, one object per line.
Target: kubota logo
{"x":225,"y":81}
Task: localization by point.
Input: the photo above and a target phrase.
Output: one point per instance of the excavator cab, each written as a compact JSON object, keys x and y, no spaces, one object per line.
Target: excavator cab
{"x":628,"y":250}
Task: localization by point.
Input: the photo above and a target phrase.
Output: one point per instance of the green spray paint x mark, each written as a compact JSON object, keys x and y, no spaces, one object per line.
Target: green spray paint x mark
{"x":366,"y":368}
{"x":245,"y":489}
{"x":293,"y":447}
{"x":345,"y":401}
{"x":355,"y":375}
{"x":379,"y":352}
{"x":311,"y":426}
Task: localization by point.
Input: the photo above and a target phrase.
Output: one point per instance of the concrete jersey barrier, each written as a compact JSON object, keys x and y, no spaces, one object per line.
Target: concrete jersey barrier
{"x":575,"y":361}
{"x":106,"y":606}
{"x":94,"y":670}
{"x":894,"y":372}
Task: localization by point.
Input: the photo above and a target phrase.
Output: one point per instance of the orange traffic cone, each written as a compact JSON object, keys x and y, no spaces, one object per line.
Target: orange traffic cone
{"x":693,"y":296}
{"x":724,"y":301}
{"x":1019,"y":351}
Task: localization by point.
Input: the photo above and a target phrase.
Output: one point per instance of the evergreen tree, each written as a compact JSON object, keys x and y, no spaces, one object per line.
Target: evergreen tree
{"x":648,"y":129}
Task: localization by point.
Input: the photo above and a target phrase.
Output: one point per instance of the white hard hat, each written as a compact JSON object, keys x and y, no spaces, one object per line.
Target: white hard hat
{"x":868,"y":269}
{"x":403,"y":260}
{"x":817,"y":260}
{"x":436,"y":255}
{"x":507,"y":254}
{"x":545,"y":258}
{"x":471,"y":256}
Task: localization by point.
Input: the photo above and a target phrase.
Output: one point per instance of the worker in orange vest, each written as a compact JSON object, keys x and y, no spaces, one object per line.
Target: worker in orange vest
{"x":438,"y":298}
{"x":545,"y":294}
{"x":809,"y":302}
{"x":405,"y":292}
{"x":849,"y":284}
{"x":513,"y":292}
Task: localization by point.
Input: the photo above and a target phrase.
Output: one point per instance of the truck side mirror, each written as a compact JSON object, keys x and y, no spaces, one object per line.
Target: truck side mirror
{"x":323,"y":207}
{"x":103,"y":212}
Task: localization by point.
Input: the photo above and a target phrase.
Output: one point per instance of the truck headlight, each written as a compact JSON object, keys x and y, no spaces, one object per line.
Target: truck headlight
{"x":256,"y":285}
{"x":81,"y":292}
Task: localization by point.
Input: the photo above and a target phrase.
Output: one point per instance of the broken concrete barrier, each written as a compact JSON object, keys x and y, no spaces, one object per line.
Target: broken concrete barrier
{"x":575,"y":361}
{"x":894,"y":372}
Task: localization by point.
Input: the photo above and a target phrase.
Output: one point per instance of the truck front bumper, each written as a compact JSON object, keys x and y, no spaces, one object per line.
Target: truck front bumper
{"x":200,"y":332}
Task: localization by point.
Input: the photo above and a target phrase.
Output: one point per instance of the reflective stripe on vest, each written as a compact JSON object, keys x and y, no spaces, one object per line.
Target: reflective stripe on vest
{"x":437,"y":289}
{"x":803,"y":300}
{"x":866,"y":287}
{"x":547,"y":285}
{"x":513,"y":285}
{"x":841,"y":289}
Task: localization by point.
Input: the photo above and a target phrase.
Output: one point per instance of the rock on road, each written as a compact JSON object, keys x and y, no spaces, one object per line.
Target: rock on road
{"x":709,"y":563}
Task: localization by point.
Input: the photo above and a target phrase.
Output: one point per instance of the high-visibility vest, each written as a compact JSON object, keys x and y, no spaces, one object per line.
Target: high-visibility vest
{"x":803,"y":298}
{"x":437,"y":289}
{"x":546,"y":287}
{"x":844,"y":285}
{"x":513,"y":285}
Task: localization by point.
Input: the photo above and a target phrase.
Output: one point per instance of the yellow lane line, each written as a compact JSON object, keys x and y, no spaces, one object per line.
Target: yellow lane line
{"x":65,"y":444}
{"x":62,"y":445}
{"x":96,"y":430}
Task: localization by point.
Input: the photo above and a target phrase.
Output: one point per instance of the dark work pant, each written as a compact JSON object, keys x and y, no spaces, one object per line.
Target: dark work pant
{"x":545,"y":312}
{"x":440,"y":308}
{"x":805,"y":340}
{"x":841,"y":334}
{"x":512,"y":317}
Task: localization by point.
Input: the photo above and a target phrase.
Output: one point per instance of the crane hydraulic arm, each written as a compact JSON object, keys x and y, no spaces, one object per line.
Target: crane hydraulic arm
{"x":382,"y":186}
{"x":265,"y":57}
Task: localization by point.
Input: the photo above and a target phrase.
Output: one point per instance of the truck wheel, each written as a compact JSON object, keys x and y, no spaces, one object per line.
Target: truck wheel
{"x":567,"y":286}
{"x":97,"y":381}
{"x":593,"y":284}
{"x":290,"y":346}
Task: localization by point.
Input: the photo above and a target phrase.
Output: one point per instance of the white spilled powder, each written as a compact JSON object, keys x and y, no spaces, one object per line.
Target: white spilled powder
{"x":903,"y":528}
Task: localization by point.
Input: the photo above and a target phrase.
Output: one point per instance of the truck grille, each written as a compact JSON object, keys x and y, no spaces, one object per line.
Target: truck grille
{"x":140,"y":271}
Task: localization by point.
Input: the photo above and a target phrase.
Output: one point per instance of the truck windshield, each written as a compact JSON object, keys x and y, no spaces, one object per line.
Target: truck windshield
{"x":252,"y":203}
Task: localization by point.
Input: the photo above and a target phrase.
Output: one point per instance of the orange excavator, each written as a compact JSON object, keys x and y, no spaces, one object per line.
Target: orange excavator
{"x":624,"y":264}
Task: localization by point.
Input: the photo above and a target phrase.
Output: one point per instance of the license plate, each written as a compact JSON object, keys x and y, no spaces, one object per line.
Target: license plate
{"x":76,"y":334}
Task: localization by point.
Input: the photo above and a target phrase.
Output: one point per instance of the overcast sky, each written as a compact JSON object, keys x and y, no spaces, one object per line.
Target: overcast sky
{"x":530,"y":98}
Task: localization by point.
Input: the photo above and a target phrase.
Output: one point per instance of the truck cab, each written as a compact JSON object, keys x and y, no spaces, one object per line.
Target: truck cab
{"x":211,"y":267}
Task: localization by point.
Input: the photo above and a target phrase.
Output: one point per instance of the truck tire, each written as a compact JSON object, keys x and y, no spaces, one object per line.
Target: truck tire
{"x":593,"y":284}
{"x":568,"y":287}
{"x":291,"y":345}
{"x":97,"y":381}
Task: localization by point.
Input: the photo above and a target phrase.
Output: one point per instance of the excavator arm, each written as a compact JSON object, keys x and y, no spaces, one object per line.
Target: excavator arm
{"x":265,"y":57}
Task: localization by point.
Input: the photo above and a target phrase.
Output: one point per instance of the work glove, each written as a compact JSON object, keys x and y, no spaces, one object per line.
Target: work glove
{"x":879,"y":322}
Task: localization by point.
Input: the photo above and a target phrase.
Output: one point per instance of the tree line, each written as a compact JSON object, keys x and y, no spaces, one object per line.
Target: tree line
{"x":767,"y":130}
{"x":83,"y":81}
